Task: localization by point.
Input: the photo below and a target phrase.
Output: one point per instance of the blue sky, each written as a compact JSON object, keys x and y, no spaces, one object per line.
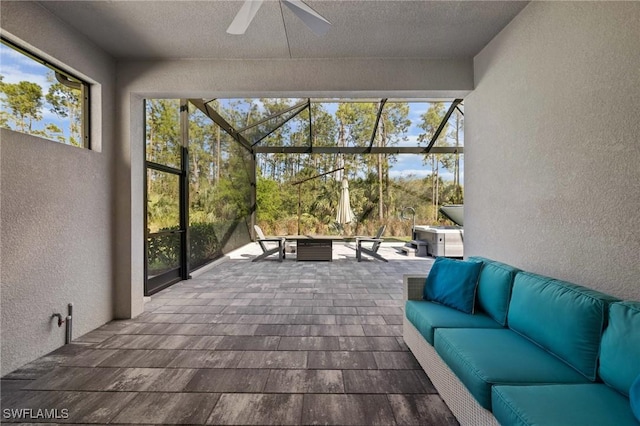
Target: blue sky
{"x":17,"y":67}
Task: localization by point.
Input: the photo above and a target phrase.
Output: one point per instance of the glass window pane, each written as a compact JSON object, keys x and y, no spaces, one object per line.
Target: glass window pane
{"x":163,"y":201}
{"x":163,"y":131}
{"x":40,"y":100}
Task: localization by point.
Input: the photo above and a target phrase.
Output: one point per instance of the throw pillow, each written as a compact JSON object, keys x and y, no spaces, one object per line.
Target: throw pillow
{"x":453,"y":283}
{"x":634,"y":397}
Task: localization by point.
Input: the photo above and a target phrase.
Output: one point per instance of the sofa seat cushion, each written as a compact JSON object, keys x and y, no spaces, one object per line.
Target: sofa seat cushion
{"x":576,"y":404}
{"x":482,"y":358}
{"x":427,"y":316}
{"x":634,"y":397}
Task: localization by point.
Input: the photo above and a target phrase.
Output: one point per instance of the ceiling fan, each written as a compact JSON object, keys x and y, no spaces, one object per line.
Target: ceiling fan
{"x":312,"y":19}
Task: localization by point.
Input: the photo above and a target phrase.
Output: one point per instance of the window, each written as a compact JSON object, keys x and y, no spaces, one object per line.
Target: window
{"x":40,"y":99}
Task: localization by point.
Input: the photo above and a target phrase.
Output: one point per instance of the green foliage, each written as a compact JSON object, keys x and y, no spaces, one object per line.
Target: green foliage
{"x":232,"y":199}
{"x":269,"y":199}
{"x":163,"y":253}
{"x":319,"y":202}
{"x":203,"y":243}
{"x":163,"y":250}
{"x":163,"y":131}
{"x":24,"y":100}
{"x":163,"y":211}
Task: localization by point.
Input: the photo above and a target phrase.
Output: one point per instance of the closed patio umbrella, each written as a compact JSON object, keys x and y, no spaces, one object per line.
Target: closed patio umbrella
{"x":345,"y":214}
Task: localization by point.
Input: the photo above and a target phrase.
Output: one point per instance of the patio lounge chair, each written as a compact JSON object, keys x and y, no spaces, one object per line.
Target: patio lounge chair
{"x":269,"y":246}
{"x":373,"y":251}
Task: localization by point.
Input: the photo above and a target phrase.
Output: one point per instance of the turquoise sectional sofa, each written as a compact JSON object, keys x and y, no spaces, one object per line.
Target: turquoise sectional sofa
{"x":536,"y":350}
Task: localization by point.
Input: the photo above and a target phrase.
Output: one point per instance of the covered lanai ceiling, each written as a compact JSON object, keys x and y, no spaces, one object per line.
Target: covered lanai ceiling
{"x":360,"y":29}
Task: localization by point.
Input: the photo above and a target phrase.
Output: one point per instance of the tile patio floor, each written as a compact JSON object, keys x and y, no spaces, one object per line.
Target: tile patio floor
{"x":248,"y":343}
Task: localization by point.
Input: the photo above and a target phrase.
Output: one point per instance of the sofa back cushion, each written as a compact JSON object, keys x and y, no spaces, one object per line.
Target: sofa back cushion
{"x":563,"y":318}
{"x":494,"y":288}
{"x":620,"y":351}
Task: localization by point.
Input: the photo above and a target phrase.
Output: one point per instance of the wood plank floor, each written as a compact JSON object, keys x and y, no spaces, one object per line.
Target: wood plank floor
{"x":246,"y":343}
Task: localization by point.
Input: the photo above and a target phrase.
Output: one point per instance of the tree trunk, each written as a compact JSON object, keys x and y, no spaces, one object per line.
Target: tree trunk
{"x":196,"y":173}
{"x":381,"y":143}
{"x":457,"y":163}
{"x":218,"y":154}
{"x":434,"y":188}
{"x":380,"y":191}
{"x":339,"y":157}
{"x":437,"y":187}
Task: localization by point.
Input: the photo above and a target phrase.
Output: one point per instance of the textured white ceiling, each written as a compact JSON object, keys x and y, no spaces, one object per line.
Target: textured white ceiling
{"x":153,"y":29}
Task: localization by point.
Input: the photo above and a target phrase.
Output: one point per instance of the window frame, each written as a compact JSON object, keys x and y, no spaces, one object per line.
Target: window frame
{"x":68,"y":79}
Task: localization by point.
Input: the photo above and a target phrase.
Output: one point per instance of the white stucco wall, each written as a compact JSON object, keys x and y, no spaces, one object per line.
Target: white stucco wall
{"x":552,"y":148}
{"x":56,"y":208}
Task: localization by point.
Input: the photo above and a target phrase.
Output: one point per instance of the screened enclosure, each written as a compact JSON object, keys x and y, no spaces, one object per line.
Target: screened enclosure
{"x":216,"y":167}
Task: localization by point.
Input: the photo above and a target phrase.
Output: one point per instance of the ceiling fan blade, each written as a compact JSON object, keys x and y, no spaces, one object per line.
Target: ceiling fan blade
{"x":312,"y":19}
{"x":244,"y":17}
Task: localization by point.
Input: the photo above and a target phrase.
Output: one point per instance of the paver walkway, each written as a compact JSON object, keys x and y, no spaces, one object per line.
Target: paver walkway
{"x":247,"y":343}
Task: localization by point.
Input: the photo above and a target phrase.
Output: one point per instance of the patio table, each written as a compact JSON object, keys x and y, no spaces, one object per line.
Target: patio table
{"x":314,"y":247}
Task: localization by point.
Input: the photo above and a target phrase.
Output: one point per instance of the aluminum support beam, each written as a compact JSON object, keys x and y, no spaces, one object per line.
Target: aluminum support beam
{"x":316,"y":176}
{"x":253,"y":195}
{"x":184,"y":190}
{"x":357,"y":150}
{"x":375,"y":127}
